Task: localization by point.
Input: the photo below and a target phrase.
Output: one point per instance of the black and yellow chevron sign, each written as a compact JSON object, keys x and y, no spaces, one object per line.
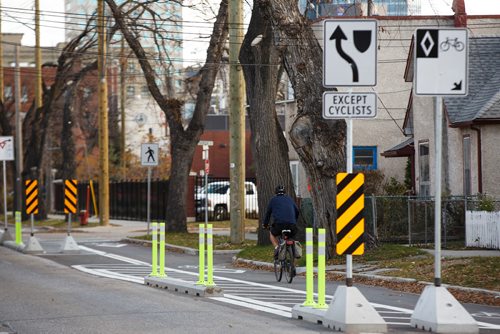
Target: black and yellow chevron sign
{"x":70,"y":196}
{"x":350,"y":213}
{"x":31,"y":196}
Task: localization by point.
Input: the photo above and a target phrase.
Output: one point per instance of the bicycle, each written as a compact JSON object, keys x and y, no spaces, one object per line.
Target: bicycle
{"x":285,"y":263}
{"x":452,"y":42}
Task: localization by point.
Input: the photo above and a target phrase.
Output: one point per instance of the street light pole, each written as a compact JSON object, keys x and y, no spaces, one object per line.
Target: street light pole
{"x":19,"y":132}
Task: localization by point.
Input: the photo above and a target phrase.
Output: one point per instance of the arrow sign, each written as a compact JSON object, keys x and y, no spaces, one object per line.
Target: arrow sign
{"x":338,"y":35}
{"x":349,"y":53}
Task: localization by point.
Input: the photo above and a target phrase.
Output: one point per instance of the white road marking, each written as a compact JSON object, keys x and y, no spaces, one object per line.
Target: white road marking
{"x":237,"y":300}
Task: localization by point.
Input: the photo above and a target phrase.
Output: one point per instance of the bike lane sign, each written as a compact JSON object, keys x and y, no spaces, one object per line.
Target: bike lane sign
{"x":441,"y":62}
{"x":349,"y":53}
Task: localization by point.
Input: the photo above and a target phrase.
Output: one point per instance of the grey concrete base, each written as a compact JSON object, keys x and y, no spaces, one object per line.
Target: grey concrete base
{"x":189,"y":288}
{"x":308,"y":313}
{"x":12,"y":244}
{"x":351,"y":312}
{"x":33,"y":246}
{"x":6,"y":236}
{"x":438,"y":311}
{"x":70,"y":246}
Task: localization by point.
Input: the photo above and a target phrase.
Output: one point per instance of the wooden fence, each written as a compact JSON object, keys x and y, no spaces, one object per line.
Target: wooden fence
{"x":482,"y":229}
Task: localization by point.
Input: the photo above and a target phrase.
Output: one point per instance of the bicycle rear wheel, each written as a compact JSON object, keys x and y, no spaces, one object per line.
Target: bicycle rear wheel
{"x":278,"y":269}
{"x":288,"y":265}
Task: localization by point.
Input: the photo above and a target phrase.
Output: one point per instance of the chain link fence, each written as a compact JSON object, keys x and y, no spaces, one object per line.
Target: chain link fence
{"x":410,"y":220}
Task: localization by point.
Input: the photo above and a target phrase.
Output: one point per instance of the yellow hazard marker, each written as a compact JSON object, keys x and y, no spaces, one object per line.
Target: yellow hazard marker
{"x":350,"y":213}
{"x":31,"y":196}
{"x":70,"y":196}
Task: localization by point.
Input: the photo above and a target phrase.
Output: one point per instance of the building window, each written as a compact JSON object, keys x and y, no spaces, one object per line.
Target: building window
{"x":7,"y":92}
{"x":130,"y":91}
{"x":467,"y":165}
{"x":294,"y":168}
{"x":364,"y":157}
{"x":423,"y":161}
{"x":24,"y":94}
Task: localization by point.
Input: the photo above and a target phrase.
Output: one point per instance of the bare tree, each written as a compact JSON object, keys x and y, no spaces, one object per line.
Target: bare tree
{"x":51,"y":124}
{"x":184,"y":138}
{"x":320,"y":143}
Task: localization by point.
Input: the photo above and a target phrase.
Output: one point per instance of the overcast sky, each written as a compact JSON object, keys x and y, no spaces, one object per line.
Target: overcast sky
{"x":52,"y":26}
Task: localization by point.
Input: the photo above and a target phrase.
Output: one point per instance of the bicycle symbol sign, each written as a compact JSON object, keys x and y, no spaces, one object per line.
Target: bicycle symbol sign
{"x":441,"y":62}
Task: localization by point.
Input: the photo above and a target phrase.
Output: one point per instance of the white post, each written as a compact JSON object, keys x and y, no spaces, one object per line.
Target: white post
{"x":149,"y":199}
{"x":437,"y":197}
{"x":5,"y":195}
{"x":348,"y":259}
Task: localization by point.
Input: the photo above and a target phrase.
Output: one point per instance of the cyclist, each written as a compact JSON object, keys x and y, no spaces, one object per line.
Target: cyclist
{"x":284,"y":212}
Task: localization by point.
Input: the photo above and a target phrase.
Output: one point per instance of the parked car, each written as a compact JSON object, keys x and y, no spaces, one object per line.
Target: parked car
{"x":218,"y":194}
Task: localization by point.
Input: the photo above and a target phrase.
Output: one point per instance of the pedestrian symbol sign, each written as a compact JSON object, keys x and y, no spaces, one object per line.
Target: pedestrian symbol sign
{"x":349,"y":53}
{"x":149,"y":154}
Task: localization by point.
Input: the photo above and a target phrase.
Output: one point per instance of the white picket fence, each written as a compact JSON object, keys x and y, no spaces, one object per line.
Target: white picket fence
{"x":482,"y":229}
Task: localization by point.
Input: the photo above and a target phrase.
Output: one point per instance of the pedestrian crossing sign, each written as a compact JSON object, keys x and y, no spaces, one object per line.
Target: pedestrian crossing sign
{"x":149,"y":154}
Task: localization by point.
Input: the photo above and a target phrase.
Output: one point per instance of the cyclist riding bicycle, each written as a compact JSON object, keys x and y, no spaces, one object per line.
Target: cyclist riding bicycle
{"x":284,"y":212}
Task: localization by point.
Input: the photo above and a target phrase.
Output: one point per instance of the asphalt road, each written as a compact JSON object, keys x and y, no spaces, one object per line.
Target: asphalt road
{"x":101,"y":289}
{"x":42,"y":296}
{"x":255,"y":291}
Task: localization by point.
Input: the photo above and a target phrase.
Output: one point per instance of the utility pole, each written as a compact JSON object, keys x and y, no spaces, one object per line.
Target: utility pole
{"x":236,"y":123}
{"x":19,"y":132}
{"x":103,"y":118}
{"x":123,"y":64}
{"x":38,"y":58}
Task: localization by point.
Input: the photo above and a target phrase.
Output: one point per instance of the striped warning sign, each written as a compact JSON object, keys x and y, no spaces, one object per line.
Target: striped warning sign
{"x":70,"y":196}
{"x":350,"y":215}
{"x":31,"y":196}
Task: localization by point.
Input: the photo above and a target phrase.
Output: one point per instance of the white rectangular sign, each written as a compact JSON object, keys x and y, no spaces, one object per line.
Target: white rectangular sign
{"x":349,"y":105}
{"x":441,"y":62}
{"x":149,"y":154}
{"x":349,"y":53}
{"x":7,"y":148}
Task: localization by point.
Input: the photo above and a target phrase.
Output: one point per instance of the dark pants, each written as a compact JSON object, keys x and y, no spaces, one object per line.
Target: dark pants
{"x":276,"y":229}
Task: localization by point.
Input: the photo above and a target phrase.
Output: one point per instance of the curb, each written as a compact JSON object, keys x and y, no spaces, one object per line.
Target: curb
{"x":374,"y":277}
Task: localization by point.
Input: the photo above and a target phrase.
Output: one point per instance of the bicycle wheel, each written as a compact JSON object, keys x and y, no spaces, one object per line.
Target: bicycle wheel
{"x":278,"y":269}
{"x":288,"y":265}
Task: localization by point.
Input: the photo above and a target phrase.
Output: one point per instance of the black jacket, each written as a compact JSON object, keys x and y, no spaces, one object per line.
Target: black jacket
{"x":283,"y":210}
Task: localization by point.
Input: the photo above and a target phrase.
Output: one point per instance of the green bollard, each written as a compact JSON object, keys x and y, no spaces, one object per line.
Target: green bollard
{"x":19,"y":228}
{"x":201,"y":256}
{"x":321,"y":269}
{"x":309,"y":269}
{"x":162,"y":250}
{"x":154,"y":250}
{"x":210,"y":258}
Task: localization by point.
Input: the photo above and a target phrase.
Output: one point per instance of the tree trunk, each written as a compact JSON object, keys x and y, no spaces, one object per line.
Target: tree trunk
{"x":320,"y":143}
{"x":262,"y":73}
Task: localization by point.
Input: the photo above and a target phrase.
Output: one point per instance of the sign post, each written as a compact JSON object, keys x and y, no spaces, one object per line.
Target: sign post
{"x":33,"y":245}
{"x":441,"y":69}
{"x":6,"y":154}
{"x":349,"y":60}
{"x":149,"y":158}
{"x":70,"y":207}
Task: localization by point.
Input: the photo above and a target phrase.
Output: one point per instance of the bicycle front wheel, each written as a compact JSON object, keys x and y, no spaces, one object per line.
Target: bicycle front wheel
{"x":288,"y":265}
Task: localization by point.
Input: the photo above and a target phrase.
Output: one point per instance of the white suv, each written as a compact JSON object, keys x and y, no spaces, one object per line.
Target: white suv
{"x":218,"y":200}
